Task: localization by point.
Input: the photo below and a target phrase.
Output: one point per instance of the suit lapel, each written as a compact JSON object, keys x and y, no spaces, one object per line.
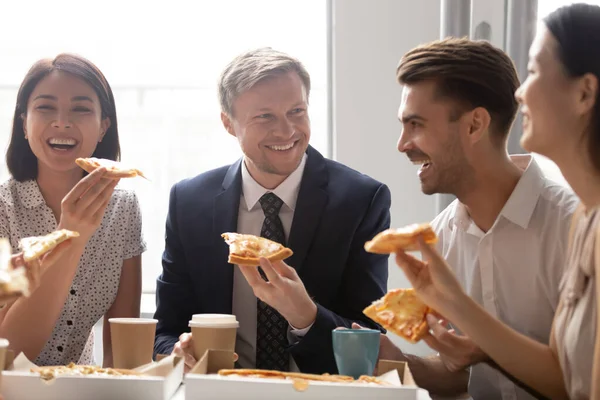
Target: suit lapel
{"x":312,"y":199}
{"x":225,"y":214}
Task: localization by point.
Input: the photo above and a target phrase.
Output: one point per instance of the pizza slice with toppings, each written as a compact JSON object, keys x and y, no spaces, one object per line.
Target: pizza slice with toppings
{"x":114,"y":169}
{"x":51,"y":372}
{"x":248,"y":249}
{"x":392,"y":240}
{"x":36,"y":246}
{"x":400,"y":311}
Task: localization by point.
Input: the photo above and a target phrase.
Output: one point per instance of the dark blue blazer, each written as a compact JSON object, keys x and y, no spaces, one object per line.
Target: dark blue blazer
{"x":337,"y":211}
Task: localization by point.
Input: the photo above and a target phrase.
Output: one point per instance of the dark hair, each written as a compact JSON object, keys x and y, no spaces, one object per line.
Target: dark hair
{"x":22,"y":163}
{"x":577,"y":31}
{"x":472,"y":72}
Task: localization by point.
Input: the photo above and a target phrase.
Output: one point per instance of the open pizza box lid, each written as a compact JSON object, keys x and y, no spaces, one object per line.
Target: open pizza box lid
{"x":160,"y":380}
{"x":203,"y":379}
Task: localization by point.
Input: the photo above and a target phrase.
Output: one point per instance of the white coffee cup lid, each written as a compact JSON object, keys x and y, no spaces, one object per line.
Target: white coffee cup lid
{"x":4,"y":343}
{"x":214,"y":321}
{"x":132,"y":321}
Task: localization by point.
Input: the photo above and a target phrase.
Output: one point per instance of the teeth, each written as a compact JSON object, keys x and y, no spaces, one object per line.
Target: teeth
{"x":420,"y":162}
{"x":282,"y":148}
{"x":67,"y":142}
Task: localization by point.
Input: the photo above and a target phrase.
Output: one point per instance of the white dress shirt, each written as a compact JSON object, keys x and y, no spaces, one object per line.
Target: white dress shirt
{"x":515,"y":268}
{"x":250,"y":221}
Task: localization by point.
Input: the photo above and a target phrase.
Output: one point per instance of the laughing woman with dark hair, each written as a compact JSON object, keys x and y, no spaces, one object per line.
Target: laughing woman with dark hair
{"x":65,"y":109}
{"x":561,"y":107}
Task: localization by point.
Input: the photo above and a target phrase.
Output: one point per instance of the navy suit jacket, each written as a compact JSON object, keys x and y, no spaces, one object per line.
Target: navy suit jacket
{"x":337,"y":211}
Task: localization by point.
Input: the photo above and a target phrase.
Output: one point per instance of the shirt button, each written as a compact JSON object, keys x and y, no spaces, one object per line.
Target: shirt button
{"x":72,"y":291}
{"x":69,"y":322}
{"x":59,"y":348}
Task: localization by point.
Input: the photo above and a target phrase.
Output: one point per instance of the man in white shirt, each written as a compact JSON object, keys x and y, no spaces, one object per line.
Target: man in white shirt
{"x":284,"y":190}
{"x":506,"y":234}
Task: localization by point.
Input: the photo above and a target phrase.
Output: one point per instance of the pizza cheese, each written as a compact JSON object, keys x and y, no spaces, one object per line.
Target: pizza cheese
{"x":391,"y":240}
{"x":49,"y":373}
{"x":248,"y":249}
{"x":300,"y":379}
{"x":401,"y":312}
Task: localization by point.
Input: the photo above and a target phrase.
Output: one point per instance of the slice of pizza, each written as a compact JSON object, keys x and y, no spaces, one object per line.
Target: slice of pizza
{"x":13,"y":280}
{"x":248,"y":249}
{"x":51,"y":372}
{"x":391,"y":240}
{"x":114,"y":169}
{"x":36,"y":246}
{"x":401,"y":312}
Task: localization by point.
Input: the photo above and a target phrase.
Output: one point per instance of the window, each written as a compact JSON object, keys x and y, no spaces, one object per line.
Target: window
{"x":163,"y":62}
{"x":545,"y":7}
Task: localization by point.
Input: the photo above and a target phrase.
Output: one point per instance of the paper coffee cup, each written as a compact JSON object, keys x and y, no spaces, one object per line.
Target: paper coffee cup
{"x":213,"y":332}
{"x":132,"y":341}
{"x":3,"y":350}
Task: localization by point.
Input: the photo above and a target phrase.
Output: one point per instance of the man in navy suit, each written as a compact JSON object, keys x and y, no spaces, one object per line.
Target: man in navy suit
{"x":285,"y":190}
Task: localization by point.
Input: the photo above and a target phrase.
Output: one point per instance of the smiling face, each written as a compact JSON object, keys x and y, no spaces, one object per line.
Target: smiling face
{"x":271,"y":123}
{"x":63,"y":121}
{"x":549,"y":101}
{"x":431,"y":137}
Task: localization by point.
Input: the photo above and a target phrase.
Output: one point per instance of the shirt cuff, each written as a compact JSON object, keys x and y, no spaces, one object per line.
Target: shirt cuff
{"x":296,"y":334}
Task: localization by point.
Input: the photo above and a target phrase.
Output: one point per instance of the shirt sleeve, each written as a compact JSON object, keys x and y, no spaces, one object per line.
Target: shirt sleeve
{"x":135,"y":245}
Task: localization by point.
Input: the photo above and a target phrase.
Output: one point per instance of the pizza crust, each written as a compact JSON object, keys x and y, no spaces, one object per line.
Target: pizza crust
{"x":300,"y":379}
{"x":114,"y":169}
{"x":247,"y":250}
{"x":36,"y":246}
{"x":392,"y":240}
{"x":400,"y":311}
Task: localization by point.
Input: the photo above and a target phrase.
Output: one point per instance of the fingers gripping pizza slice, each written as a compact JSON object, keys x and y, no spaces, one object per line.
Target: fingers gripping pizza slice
{"x":248,"y":249}
{"x":401,"y":312}
{"x":36,"y":246}
{"x":391,"y":240}
{"x":13,"y":280}
{"x":114,"y":169}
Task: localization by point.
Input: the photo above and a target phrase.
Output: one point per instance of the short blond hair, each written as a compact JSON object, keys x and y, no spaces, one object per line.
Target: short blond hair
{"x":251,"y":67}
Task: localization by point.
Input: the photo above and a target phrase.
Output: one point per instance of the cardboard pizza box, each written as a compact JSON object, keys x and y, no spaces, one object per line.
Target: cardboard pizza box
{"x":160,"y":381}
{"x":202,"y":379}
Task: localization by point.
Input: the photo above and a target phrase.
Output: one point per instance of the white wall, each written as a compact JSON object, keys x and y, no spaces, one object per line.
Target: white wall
{"x":369,"y":37}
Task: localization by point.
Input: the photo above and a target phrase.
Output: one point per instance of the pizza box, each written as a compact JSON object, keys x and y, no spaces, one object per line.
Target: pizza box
{"x":202,"y":381}
{"x":161,"y":381}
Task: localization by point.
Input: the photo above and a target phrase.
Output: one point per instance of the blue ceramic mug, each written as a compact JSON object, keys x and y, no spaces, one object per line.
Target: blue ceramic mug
{"x":355,"y":351}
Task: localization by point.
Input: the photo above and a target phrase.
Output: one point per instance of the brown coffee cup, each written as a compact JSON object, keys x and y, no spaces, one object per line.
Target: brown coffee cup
{"x":132,"y":341}
{"x":3,"y":350}
{"x":213,"y":332}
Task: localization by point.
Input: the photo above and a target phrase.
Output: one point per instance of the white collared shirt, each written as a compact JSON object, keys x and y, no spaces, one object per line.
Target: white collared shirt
{"x":515,"y":268}
{"x":250,"y":220}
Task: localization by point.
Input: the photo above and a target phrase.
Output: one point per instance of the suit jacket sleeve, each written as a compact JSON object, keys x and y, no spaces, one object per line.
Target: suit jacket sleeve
{"x":174,"y":292}
{"x":364,"y":280}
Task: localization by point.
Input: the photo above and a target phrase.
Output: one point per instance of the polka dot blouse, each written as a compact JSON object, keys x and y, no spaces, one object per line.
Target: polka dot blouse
{"x":23,"y":213}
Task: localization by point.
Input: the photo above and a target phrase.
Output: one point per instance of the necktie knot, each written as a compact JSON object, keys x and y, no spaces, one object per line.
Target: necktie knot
{"x":271,"y":204}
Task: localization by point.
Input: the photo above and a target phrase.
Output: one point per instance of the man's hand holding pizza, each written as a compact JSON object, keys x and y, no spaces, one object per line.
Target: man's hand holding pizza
{"x":284,"y":291}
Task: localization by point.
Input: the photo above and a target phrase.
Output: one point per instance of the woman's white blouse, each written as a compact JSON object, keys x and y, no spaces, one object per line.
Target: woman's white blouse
{"x":23,"y":213}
